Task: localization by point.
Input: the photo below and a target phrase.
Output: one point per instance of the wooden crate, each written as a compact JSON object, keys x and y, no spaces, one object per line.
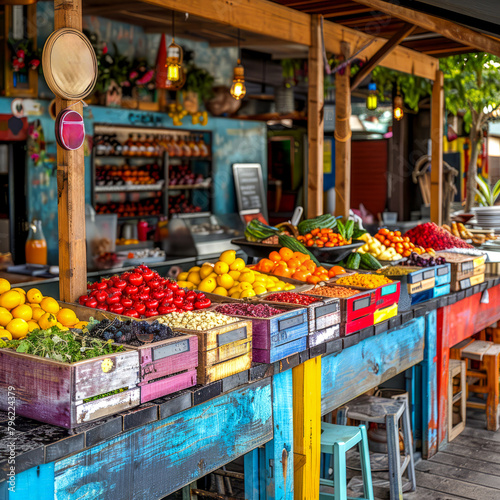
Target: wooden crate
{"x":355,"y":325}
{"x":456,"y":286}
{"x":167,"y":366}
{"x":279,"y":336}
{"x":385,"y":314}
{"x":223,"y":350}
{"x":443,"y":274}
{"x":324,"y":335}
{"x":53,"y":392}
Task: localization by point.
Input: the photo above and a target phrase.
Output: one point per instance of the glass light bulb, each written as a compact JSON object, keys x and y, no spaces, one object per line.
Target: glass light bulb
{"x":173,"y":73}
{"x":238,"y":90}
{"x":371,"y":101}
{"x":398,"y":113}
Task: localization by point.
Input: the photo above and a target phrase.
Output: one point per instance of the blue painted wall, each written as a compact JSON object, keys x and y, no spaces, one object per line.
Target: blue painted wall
{"x":234,"y":141}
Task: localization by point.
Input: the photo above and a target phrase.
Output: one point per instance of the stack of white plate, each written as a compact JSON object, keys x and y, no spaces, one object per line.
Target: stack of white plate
{"x":487,"y":217}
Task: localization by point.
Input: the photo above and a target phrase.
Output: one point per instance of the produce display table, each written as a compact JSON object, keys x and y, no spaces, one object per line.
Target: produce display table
{"x":167,"y":443}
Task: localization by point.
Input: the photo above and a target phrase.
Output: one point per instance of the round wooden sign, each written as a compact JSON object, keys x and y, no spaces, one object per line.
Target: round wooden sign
{"x":69,"y":64}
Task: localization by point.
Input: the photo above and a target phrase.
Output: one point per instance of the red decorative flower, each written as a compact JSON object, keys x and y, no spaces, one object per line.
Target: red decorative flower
{"x":105,"y":50}
{"x":20,"y":54}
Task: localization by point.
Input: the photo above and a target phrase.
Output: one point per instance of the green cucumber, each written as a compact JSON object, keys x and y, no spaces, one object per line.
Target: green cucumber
{"x":370,"y":262}
{"x":353,"y":261}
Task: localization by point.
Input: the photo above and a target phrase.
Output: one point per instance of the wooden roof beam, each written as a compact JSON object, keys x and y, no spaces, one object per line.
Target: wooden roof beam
{"x":448,"y":29}
{"x":381,"y":54}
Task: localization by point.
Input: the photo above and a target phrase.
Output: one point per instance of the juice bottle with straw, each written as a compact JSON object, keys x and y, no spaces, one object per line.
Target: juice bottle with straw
{"x":36,"y":245}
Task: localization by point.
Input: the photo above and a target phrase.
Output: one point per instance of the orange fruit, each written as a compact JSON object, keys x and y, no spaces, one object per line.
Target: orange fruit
{"x":67,"y":317}
{"x":313,"y":280}
{"x":285,"y":253}
{"x":23,"y":311}
{"x":337,"y":270}
{"x":293,"y":262}
{"x":266,"y":265}
{"x":18,"y":328}
{"x":275,"y":256}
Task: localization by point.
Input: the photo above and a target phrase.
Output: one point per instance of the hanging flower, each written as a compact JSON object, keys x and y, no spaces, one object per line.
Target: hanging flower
{"x":34,"y":63}
{"x":105,"y":50}
{"x":146,"y":78}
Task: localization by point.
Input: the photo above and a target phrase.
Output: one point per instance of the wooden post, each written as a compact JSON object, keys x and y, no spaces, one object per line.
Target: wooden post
{"x":315,"y":122}
{"x":307,"y":427}
{"x":343,"y":137}
{"x":437,"y":111}
{"x":70,"y":185}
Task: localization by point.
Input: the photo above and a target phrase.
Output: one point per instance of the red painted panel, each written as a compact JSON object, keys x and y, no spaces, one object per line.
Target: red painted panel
{"x":369,"y":175}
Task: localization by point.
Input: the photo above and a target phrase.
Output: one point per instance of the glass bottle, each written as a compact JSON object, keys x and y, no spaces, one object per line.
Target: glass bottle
{"x":133,"y":149}
{"x":195,"y":150}
{"x":204,"y":151}
{"x":141,"y":146}
{"x":36,"y":245}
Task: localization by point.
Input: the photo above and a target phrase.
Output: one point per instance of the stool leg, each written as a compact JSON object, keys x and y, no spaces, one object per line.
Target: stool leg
{"x":492,"y":366}
{"x":395,"y":483}
{"x":339,"y":471}
{"x":409,"y":446}
{"x":364,"y":453}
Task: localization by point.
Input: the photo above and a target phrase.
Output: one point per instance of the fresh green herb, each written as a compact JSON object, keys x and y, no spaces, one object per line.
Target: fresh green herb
{"x":105,"y":395}
{"x":61,"y":345}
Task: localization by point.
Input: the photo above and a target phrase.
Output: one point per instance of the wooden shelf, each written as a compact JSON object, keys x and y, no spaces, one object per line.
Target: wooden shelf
{"x":129,"y":188}
{"x":189,"y":186}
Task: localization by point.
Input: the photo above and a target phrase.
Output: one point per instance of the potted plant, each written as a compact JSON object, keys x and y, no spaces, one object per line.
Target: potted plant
{"x":485,"y":195}
{"x":198,"y":87}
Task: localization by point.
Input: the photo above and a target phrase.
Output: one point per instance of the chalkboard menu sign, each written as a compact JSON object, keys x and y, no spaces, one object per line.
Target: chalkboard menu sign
{"x":250,"y":195}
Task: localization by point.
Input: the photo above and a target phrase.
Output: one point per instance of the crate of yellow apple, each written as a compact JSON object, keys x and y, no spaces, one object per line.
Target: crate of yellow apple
{"x":22,"y":312}
{"x":230,"y":277}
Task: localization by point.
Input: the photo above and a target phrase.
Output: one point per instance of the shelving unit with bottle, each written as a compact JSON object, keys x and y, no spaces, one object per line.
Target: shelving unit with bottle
{"x":143,"y":172}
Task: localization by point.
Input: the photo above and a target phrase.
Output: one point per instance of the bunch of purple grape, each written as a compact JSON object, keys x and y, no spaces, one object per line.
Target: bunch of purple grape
{"x":417,"y":260}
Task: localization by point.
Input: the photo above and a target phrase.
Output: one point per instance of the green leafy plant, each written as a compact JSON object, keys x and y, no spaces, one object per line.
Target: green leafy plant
{"x":486,"y":196}
{"x":200,"y":81}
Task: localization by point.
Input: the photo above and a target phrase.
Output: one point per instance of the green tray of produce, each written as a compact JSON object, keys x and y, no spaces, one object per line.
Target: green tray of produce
{"x":255,"y":248}
{"x":332,"y":255}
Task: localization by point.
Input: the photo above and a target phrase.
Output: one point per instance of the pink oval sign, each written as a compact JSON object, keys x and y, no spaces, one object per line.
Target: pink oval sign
{"x":70,"y":129}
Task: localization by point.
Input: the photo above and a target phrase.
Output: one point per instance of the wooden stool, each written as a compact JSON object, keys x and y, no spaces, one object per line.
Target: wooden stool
{"x":337,"y":440}
{"x":457,"y":397}
{"x":388,"y":412}
{"x":483,"y":380}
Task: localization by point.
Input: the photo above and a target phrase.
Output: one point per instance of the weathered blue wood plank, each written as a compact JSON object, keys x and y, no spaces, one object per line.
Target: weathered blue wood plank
{"x":36,"y":483}
{"x":251,"y":464}
{"x":279,"y":451}
{"x":161,"y":457}
{"x":353,"y":371}
{"x":429,"y":388}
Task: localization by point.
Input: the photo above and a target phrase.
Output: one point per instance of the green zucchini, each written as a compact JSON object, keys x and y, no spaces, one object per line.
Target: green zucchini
{"x":370,"y":262}
{"x":353,"y":261}
{"x":296,"y":246}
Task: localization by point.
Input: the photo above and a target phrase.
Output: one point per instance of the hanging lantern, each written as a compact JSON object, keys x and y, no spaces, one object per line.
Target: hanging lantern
{"x":371,"y":98}
{"x":398,"y":107}
{"x":174,"y":58}
{"x":238,"y":89}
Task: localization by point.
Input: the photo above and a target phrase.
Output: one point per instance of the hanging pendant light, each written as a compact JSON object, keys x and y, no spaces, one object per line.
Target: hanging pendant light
{"x":398,"y":107}
{"x":238,"y":89}
{"x":371,"y":98}
{"x":174,"y":58}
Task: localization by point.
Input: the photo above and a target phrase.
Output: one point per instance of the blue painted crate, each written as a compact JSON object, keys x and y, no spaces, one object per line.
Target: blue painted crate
{"x":443,"y":274}
{"x":417,"y":298}
{"x":280,"y":351}
{"x":441,"y":290}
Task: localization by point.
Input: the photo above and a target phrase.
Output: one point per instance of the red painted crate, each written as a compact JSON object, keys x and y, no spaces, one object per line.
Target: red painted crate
{"x":53,"y":392}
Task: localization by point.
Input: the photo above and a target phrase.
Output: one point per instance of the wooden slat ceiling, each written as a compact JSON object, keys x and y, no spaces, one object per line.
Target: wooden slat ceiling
{"x":359,"y":17}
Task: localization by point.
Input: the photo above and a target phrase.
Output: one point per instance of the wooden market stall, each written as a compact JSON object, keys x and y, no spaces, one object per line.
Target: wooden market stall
{"x":269,"y":413}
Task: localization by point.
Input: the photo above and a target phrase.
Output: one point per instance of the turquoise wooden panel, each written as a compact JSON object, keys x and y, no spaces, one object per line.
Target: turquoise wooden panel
{"x":279,"y":451}
{"x":161,"y":457}
{"x":374,"y":360}
{"x":429,"y":388}
{"x":251,"y":464}
{"x":36,"y":483}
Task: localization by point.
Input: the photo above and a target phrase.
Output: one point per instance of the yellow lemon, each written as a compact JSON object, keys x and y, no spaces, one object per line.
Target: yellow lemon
{"x":225,"y":281}
{"x":50,"y":305}
{"x":5,"y":316}
{"x":18,"y":328}
{"x":38,"y":312}
{"x":221,"y":268}
{"x":220,"y":290}
{"x":182,"y":276}
{"x":274,"y":279}
{"x":260,"y":277}
{"x":229,"y":256}
{"x":67,"y":317}
{"x":248,"y":277}
{"x":194,"y":277}
{"x":235,"y":295}
{"x":33,"y":305}
{"x":208,"y":285}
{"x":4,"y":285}
{"x":247,"y":293}
{"x":269,"y":282}
{"x":245,"y":270}
{"x":244,"y":286}
{"x":259,"y":289}
{"x":184,"y":284}
{"x":47,"y":320}
{"x":234,"y":289}
{"x":235,"y":275}
{"x":81,"y":324}
{"x":5,"y":334}
{"x":34,"y":295}
{"x":61,"y":327}
{"x":289,"y":286}
{"x":11,"y":299}
{"x":206,"y":270}
{"x":212,"y":275}
{"x":272,"y":289}
{"x":23,"y":294}
{"x":237,"y":265}
{"x":23,"y":311}
{"x":194,"y":269}
{"x":32,"y":325}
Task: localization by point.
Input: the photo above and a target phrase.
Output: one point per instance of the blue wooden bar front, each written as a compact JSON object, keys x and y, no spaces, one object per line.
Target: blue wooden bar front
{"x":271,"y":416}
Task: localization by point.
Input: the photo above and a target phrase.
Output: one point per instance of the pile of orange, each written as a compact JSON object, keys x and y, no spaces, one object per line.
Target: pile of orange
{"x":401,"y":244}
{"x":323,"y":238}
{"x":296,"y":265}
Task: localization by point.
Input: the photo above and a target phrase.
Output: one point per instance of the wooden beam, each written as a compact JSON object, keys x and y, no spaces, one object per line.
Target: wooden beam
{"x":437,"y":114}
{"x":343,"y":138}
{"x":315,"y":122}
{"x":448,"y":29}
{"x":70,"y":185}
{"x":381,"y":54}
{"x":257,"y":16}
{"x":400,"y":59}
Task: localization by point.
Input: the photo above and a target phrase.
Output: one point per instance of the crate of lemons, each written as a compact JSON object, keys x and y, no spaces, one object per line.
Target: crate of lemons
{"x":230,"y":277}
{"x":22,"y":312}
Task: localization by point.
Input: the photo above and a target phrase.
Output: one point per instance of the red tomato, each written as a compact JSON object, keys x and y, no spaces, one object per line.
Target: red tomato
{"x":139,"y":307}
{"x":132,"y":313}
{"x":117,"y":309}
{"x":127,"y":302}
{"x":83,"y":299}
{"x":151,"y":312}
{"x":120,"y":284}
{"x":135,"y":279}
{"x":154,"y":284}
{"x":147,"y":274}
{"x":131,"y":290}
{"x":152,"y":304}
{"x":92,"y":302}
{"x":158,"y":294}
{"x":166,"y":309}
{"x":180,"y":293}
{"x":113,"y":299}
{"x":101,"y":296}
{"x":178,"y":301}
